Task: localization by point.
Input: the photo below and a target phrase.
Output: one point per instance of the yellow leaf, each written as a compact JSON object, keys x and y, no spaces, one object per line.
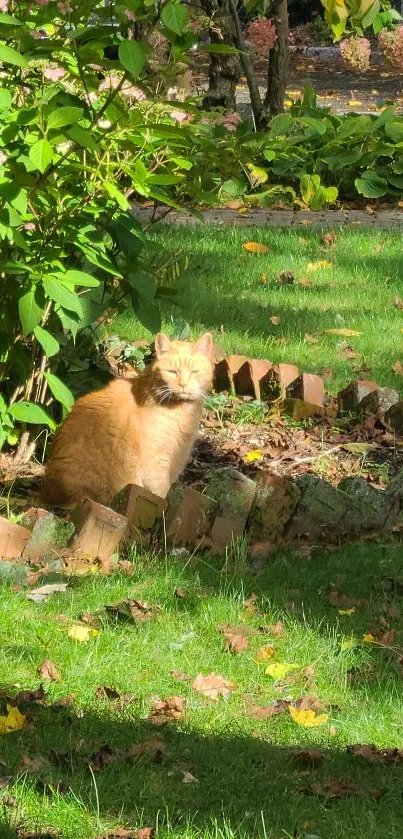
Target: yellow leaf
{"x":252,"y":456}
{"x":13,"y":721}
{"x":322,"y":263}
{"x":81,"y":633}
{"x":348,"y":333}
{"x":346,"y":611}
{"x":256,"y":247}
{"x":348,"y":644}
{"x":275,"y":320}
{"x":279,"y":670}
{"x":308,"y":719}
{"x":259,"y":175}
{"x":368,"y":638}
{"x":355,"y":102}
{"x":264,"y":654}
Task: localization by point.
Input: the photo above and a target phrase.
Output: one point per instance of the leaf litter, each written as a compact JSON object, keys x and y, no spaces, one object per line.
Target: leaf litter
{"x":214,"y":686}
{"x":167,"y":710}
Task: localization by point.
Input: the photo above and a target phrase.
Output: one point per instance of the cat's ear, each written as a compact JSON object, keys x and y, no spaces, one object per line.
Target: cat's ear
{"x":204,"y":345}
{"x":162,"y":344}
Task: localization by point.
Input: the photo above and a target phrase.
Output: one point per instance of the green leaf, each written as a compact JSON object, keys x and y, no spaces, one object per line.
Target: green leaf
{"x":8,"y":55}
{"x":147,"y":312}
{"x":132,"y":56}
{"x":80,"y":278}
{"x":47,"y":341}
{"x":60,"y":391}
{"x":60,"y":294}
{"x":368,"y":19}
{"x":370,"y":185}
{"x":394,"y":130}
{"x":41,"y":154}
{"x":64,"y":116}
{"x":9,"y":20}
{"x":5,"y":99}
{"x":29,"y":311}
{"x":144,"y":284}
{"x":82,"y":137}
{"x":175,"y":17}
{"x":31,"y":413}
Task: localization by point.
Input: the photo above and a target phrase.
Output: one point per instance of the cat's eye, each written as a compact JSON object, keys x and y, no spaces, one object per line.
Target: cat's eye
{"x":171,"y":372}
{"x":196,"y":372}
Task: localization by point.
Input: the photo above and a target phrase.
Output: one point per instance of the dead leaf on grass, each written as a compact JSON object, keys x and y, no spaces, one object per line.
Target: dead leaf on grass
{"x":398,"y":302}
{"x":275,"y":320}
{"x":347,"y":352}
{"x":179,"y":676}
{"x":188,"y":778}
{"x":104,"y":757}
{"x":347,"y":333}
{"x":341,"y":601}
{"x":328,"y":239}
{"x":279,"y":706}
{"x":308,"y":757}
{"x":37,"y":695}
{"x":47,"y":833}
{"x":155,"y":745}
{"x":79,"y":632}
{"x":397,"y":368}
{"x":235,"y":639}
{"x":126,"y":566}
{"x":214,"y":686}
{"x":285,"y":278}
{"x":49,"y":671}
{"x":167,"y":710}
{"x":105,"y":692}
{"x":305,"y":282}
{"x":12,"y":721}
{"x":264,"y":653}
{"x":38,"y":595}
{"x":310,"y":339}
{"x":131,"y":833}
{"x":256,"y":247}
{"x":138,"y":611}
{"x":334,"y":788}
{"x":371,"y":753}
{"x":322,"y":263}
{"x":276,"y":629}
{"x":30,"y":764}
{"x":65,"y":701}
{"x":179,"y":592}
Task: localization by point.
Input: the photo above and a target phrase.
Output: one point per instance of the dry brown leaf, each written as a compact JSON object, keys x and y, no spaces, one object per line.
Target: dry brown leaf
{"x":49,"y":671}
{"x":264,"y":653}
{"x":305,"y":282}
{"x":308,"y":757}
{"x":179,"y":592}
{"x":328,"y":239}
{"x":276,"y":629}
{"x":397,"y":367}
{"x":348,"y":333}
{"x":37,"y":695}
{"x":65,"y":701}
{"x":153,"y":744}
{"x":167,"y":710}
{"x":275,"y":320}
{"x":104,"y":757}
{"x":398,"y":302}
{"x":334,"y":788}
{"x":213,"y":686}
{"x":235,"y":637}
{"x":279,"y":706}
{"x":371,"y":753}
{"x":310,"y":339}
{"x":188,"y":778}
{"x":285,"y":278}
{"x":104,"y":692}
{"x":179,"y":675}
{"x":30,"y":764}
{"x":256,"y":247}
{"x":124,"y":833}
{"x":126,"y":566}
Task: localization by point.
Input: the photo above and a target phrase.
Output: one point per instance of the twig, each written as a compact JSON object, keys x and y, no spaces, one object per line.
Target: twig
{"x":299,"y":460}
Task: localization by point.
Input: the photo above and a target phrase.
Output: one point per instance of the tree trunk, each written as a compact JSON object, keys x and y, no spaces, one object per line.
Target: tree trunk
{"x":224,"y":70}
{"x":278,"y":61}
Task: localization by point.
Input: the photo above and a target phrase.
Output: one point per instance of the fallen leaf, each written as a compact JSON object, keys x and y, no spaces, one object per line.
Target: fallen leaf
{"x":37,"y":695}
{"x":310,"y":339}
{"x":275,"y":320}
{"x":166,"y":710}
{"x":279,"y":670}
{"x":46,"y":833}
{"x":179,"y":592}
{"x":334,"y":788}
{"x":179,"y":676}
{"x":49,"y":671}
{"x":279,"y":706}
{"x":13,"y":721}
{"x":308,"y":757}
{"x":285,"y":278}
{"x":136,"y":610}
{"x":79,"y":632}
{"x":347,"y":352}
{"x":371,"y":753}
{"x":188,"y":778}
{"x":397,"y":367}
{"x":65,"y":701}
{"x":104,"y":757}
{"x":107,"y":693}
{"x":348,"y":333}
{"x":398,"y":302}
{"x":332,"y":730}
{"x":124,"y":833}
{"x":308,"y":718}
{"x":30,"y":764}
{"x":328,"y":239}
{"x":235,"y":637}
{"x":38,"y":595}
{"x":276,"y":629}
{"x":336,"y":598}
{"x":126,"y":566}
{"x":256,"y":247}
{"x":359,"y":448}
{"x":369,"y":638}
{"x":155,"y":745}
{"x":213,"y":686}
{"x":305,"y":282}
{"x":322,"y":263}
{"x":264,"y":653}
{"x":251,"y":457}
{"x":347,"y":611}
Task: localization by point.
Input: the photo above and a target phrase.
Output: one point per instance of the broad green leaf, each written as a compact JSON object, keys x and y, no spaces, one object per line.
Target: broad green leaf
{"x":117,"y":195}
{"x":370,"y":185}
{"x":80,"y":278}
{"x":9,"y":20}
{"x":5,"y":99}
{"x":175,"y":17}
{"x":31,"y":413}
{"x":143,"y":284}
{"x":132,"y":56}
{"x":60,"y":391}
{"x":82,"y":137}
{"x":29,"y":311}
{"x":394,"y":130}
{"x":41,"y":154}
{"x":8,"y":55}
{"x":60,"y":294}
{"x":147,"y":312}
{"x":368,"y":19}
{"x":48,"y":343}
{"x":64,"y":116}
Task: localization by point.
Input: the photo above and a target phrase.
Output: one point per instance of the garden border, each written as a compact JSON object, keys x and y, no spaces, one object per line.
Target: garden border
{"x":260,"y":217}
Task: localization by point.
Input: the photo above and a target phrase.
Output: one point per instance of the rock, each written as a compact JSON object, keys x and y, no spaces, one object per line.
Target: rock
{"x":234,"y":494}
{"x":48,"y":537}
{"x":279,"y":377}
{"x":98,"y":529}
{"x":252,"y":378}
{"x":351,"y":397}
{"x":395,"y":486}
{"x":225,"y":371}
{"x":394,"y":416}
{"x":31,"y":516}
{"x":13,"y":539}
{"x":189,"y":515}
{"x":367,"y":508}
{"x":299,"y":410}
{"x":379,"y":401}
{"x":143,"y":510}
{"x":308,"y":388}
{"x":275,"y":501}
{"x":320,"y":512}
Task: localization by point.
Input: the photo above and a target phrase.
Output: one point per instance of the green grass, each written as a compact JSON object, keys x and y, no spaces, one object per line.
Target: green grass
{"x":248,"y":784}
{"x":222,"y":291}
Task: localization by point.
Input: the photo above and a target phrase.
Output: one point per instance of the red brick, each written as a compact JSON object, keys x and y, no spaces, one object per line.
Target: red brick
{"x":98,"y":529}
{"x":308,"y":388}
{"x":225,"y":371}
{"x":252,"y":378}
{"x":354,"y":393}
{"x":189,"y":515}
{"x":13,"y":539}
{"x":280,"y":377}
{"x":299,"y":410}
{"x":235,"y":494}
{"x":142,"y":509}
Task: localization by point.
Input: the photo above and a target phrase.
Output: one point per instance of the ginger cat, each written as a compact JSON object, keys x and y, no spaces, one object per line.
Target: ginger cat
{"x":139,"y":431}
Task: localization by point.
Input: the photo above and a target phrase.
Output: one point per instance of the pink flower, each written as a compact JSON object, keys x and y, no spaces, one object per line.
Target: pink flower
{"x":391,"y":44}
{"x":130,"y":15}
{"x":53,"y":74}
{"x":29,"y":225}
{"x":3,"y":5}
{"x":262,"y":36}
{"x":230,"y":121}
{"x":65,"y":8}
{"x":179,"y":116}
{"x":356,"y":53}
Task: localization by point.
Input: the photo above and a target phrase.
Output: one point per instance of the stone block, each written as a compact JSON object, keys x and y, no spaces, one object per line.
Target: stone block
{"x":379,"y":401}
{"x":394,"y":416}
{"x":98,"y":529}
{"x":234,"y":494}
{"x":275,"y":501}
{"x":252,"y":378}
{"x":143,"y":511}
{"x":13,"y":539}
{"x":279,"y":377}
{"x":225,"y":371}
{"x":308,"y":388}
{"x":189,"y":516}
{"x":49,"y":536}
{"x":299,"y":410}
{"x":367,"y":508}
{"x":320,"y":512}
{"x":351,"y":397}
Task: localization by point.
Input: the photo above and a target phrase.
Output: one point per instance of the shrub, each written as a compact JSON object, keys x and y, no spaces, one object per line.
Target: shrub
{"x":261,"y":34}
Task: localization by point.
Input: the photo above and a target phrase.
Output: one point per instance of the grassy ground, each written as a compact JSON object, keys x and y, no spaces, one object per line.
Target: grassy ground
{"x":247,"y":781}
{"x":234,"y":294}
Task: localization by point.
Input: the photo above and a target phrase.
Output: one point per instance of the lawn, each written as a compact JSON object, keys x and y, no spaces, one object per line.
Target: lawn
{"x":352,"y":284}
{"x":219,"y":771}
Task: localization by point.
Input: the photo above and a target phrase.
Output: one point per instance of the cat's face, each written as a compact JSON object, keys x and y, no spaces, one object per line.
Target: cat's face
{"x":184,"y":371}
